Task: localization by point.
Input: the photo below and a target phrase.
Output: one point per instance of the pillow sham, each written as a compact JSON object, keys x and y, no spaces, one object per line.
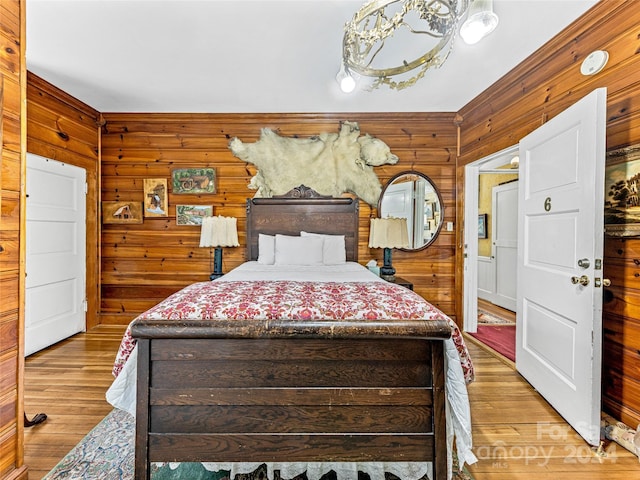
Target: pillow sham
{"x":334,"y":251}
{"x":298,"y":250}
{"x":266,"y":249}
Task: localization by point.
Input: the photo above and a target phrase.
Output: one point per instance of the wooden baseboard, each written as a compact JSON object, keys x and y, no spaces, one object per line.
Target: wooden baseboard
{"x":18,"y":474}
{"x":115,"y":319}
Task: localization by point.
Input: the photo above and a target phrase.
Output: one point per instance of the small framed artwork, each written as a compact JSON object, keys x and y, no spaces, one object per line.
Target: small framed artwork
{"x":482,"y":225}
{"x":193,"y":180}
{"x":192,"y":214}
{"x":622,"y":192}
{"x":155,"y":197}
{"x":121,"y":212}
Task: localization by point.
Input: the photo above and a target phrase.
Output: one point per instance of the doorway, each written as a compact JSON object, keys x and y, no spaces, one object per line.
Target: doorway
{"x":479,"y":262}
{"x":494,"y":203}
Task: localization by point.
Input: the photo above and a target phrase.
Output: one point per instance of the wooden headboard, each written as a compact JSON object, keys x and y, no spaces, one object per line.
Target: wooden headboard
{"x":303,"y":209}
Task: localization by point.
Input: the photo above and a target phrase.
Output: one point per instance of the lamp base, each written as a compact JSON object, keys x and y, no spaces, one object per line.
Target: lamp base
{"x":388,"y":276}
{"x":387,"y":272}
{"x":217,"y":264}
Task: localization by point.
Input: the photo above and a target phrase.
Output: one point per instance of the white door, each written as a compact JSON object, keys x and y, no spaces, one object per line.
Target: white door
{"x":55,"y":249}
{"x":560,"y":233}
{"x":504,"y":228}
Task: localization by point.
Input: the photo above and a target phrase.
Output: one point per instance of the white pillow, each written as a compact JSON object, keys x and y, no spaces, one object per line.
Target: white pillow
{"x":266,"y":249}
{"x":298,"y":250}
{"x":334,"y":251}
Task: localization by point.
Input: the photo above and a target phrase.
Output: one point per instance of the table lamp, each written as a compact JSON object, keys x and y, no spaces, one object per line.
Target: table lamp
{"x":218,"y":232}
{"x":388,"y":233}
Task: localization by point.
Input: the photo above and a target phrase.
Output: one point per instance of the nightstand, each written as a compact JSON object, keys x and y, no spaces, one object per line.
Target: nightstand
{"x":403,"y":282}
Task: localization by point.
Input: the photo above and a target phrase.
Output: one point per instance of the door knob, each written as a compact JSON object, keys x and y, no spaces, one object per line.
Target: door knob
{"x":606,"y":282}
{"x":584,"y":263}
{"x":583,"y":280}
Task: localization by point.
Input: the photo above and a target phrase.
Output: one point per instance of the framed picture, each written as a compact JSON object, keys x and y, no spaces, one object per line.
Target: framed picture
{"x":121,"y":212}
{"x":192,"y":214}
{"x":155,"y":197}
{"x":621,"y":192}
{"x":482,"y":225}
{"x":193,"y":180}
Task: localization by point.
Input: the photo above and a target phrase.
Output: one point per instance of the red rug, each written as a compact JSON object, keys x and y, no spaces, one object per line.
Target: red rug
{"x":502,"y":338}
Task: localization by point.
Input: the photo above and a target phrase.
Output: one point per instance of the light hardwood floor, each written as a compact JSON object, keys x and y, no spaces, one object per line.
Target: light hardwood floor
{"x":67,"y":382}
{"x":516,"y":434}
{"x":496,"y":310}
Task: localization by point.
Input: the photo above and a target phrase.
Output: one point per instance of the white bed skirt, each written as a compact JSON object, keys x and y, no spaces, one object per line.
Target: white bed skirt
{"x":315,"y":470}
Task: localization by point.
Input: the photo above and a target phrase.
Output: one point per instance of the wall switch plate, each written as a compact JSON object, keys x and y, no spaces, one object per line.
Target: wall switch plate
{"x":449,"y":226}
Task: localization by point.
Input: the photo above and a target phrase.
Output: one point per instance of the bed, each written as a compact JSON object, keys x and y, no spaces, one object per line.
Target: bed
{"x":352,"y":378}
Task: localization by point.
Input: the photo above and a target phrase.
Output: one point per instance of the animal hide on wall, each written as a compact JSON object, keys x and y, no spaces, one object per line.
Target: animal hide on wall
{"x":329,"y":163}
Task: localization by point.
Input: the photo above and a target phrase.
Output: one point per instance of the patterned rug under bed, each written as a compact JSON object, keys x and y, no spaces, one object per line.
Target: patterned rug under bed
{"x":107,"y":453}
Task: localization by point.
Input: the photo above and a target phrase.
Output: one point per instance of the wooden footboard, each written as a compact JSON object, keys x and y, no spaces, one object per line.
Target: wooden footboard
{"x":206,"y":393}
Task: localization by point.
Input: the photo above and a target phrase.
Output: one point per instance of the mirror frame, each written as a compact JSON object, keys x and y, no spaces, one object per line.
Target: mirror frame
{"x":437,"y":192}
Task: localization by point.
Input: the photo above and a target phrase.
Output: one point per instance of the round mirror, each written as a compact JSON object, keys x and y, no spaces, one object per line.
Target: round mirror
{"x":412,"y":195}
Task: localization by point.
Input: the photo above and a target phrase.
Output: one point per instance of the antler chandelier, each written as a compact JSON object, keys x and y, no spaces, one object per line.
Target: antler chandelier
{"x":389,"y":38}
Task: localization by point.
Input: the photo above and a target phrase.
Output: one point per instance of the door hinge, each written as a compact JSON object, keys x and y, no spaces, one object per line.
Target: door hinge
{"x":86,"y":188}
{"x":85,"y":305}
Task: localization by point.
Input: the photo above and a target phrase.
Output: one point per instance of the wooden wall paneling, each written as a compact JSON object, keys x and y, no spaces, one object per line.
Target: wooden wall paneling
{"x":12,"y":133}
{"x":10,"y":12}
{"x":142,"y":260}
{"x":623,"y":116}
{"x":542,"y":86}
{"x":62,"y":128}
{"x":10,"y":172}
{"x":10,"y":121}
{"x":624,"y":332}
{"x":622,"y":248}
{"x":11,"y":100}
{"x":9,"y":306}
{"x":621,"y":366}
{"x":623,"y":301}
{"x":10,"y":254}
{"x":550,"y":81}
{"x":619,"y":396}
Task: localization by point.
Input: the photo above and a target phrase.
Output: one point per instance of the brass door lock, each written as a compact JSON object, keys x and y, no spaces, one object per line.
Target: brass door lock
{"x":583,"y":280}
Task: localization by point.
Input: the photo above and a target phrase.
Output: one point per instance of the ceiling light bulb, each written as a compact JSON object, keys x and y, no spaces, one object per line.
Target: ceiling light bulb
{"x":481,"y":21}
{"x":347,"y":84}
{"x":345,"y":80}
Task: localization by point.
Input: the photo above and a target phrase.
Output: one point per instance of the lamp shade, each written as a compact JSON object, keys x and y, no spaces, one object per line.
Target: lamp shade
{"x":388,"y":233}
{"x":219,"y":232}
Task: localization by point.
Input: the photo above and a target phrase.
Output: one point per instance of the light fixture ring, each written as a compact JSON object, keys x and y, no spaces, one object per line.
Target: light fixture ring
{"x":372,"y":25}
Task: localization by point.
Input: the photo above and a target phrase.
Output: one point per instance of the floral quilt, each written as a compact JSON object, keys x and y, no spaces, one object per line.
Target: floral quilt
{"x":296,"y":300}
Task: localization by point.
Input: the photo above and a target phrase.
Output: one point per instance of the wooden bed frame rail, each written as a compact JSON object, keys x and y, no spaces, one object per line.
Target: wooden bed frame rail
{"x":253,"y":391}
